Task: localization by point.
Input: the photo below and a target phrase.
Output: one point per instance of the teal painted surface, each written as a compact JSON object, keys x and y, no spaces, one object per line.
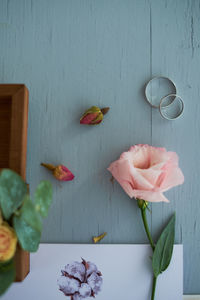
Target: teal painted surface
{"x":78,"y":53}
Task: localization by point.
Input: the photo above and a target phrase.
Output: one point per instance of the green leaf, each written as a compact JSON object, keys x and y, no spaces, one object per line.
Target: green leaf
{"x":12,"y":191}
{"x":29,"y":214}
{"x":43,"y":197}
{"x":7,"y":275}
{"x":28,"y":226}
{"x":164,"y":248}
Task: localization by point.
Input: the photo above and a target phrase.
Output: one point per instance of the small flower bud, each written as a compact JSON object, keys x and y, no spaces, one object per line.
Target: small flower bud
{"x":142,"y":203}
{"x":94,"y":115}
{"x":60,"y":172}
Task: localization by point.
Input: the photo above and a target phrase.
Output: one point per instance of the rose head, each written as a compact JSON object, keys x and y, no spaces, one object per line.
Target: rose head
{"x":8,"y":242}
{"x":80,"y":280}
{"x":145,"y":172}
{"x":93,"y":116}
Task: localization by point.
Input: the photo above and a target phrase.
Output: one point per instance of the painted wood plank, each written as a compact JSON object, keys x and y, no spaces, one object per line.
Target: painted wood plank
{"x":175,"y":41}
{"x":76,"y":54}
{"x":73,"y":54}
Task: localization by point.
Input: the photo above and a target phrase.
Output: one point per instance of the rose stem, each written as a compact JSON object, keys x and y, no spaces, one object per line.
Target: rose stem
{"x":144,"y":218}
{"x":153,"y":288}
{"x":48,"y":166}
{"x":143,"y":205}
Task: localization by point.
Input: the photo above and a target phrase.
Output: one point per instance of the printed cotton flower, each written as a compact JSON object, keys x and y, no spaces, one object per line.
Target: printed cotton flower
{"x":145,"y":172}
{"x":68,"y":285}
{"x":8,"y":242}
{"x":60,"y":172}
{"x":80,"y":280}
{"x":93,"y":116}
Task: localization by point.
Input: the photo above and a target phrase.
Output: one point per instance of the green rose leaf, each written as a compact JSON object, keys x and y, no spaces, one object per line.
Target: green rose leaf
{"x":12,"y":191}
{"x":7,"y":275}
{"x":164,"y":248}
{"x":28,"y":226}
{"x":43,"y":197}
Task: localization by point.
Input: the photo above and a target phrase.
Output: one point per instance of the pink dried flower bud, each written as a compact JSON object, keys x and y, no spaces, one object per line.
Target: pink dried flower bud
{"x":94,"y":115}
{"x":60,"y":172}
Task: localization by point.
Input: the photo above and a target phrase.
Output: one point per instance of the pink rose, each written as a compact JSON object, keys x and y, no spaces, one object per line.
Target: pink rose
{"x":145,"y":172}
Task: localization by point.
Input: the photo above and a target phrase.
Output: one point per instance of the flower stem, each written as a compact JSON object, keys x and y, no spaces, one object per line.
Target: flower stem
{"x":143,"y":205}
{"x":144,"y":218}
{"x":153,"y":288}
{"x":105,"y":110}
{"x":48,"y":166}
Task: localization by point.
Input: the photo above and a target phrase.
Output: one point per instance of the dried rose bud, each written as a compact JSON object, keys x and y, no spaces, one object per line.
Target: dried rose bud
{"x":60,"y":172}
{"x":94,"y":115}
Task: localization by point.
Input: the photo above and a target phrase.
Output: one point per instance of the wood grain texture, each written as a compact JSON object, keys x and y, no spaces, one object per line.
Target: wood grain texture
{"x":13,"y":127}
{"x":74,"y":54}
{"x":22,"y":263}
{"x":19,"y":126}
{"x":13,"y":147}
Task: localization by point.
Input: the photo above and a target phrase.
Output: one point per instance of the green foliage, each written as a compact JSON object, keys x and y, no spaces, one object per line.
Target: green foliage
{"x":29,"y":237}
{"x":164,"y":248}
{"x":27,"y":220}
{"x":29,"y":214}
{"x":25,"y":215}
{"x":12,"y":191}
{"x":28,"y":226}
{"x":7,"y":275}
{"x":43,"y":197}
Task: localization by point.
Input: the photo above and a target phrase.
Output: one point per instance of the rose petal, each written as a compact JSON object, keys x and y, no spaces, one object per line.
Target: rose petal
{"x":128,"y":176}
{"x":145,"y":156}
{"x":150,"y":196}
{"x":88,"y":118}
{"x":146,"y":171}
{"x":151,"y":175}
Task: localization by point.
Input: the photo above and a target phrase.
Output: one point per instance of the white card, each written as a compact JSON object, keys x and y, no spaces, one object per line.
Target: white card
{"x":126,"y":273}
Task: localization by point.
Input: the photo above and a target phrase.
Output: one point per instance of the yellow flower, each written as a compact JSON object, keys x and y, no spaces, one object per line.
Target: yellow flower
{"x":8,"y":242}
{"x":1,"y":218}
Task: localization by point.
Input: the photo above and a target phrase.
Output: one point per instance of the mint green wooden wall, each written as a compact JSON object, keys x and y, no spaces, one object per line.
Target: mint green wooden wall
{"x":75,"y":53}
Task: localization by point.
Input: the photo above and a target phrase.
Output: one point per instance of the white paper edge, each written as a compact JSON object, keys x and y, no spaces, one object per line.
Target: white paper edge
{"x":191,"y":297}
{"x":186,"y":297}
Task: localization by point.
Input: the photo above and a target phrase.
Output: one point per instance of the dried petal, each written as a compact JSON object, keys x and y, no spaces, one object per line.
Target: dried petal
{"x":97,"y":239}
